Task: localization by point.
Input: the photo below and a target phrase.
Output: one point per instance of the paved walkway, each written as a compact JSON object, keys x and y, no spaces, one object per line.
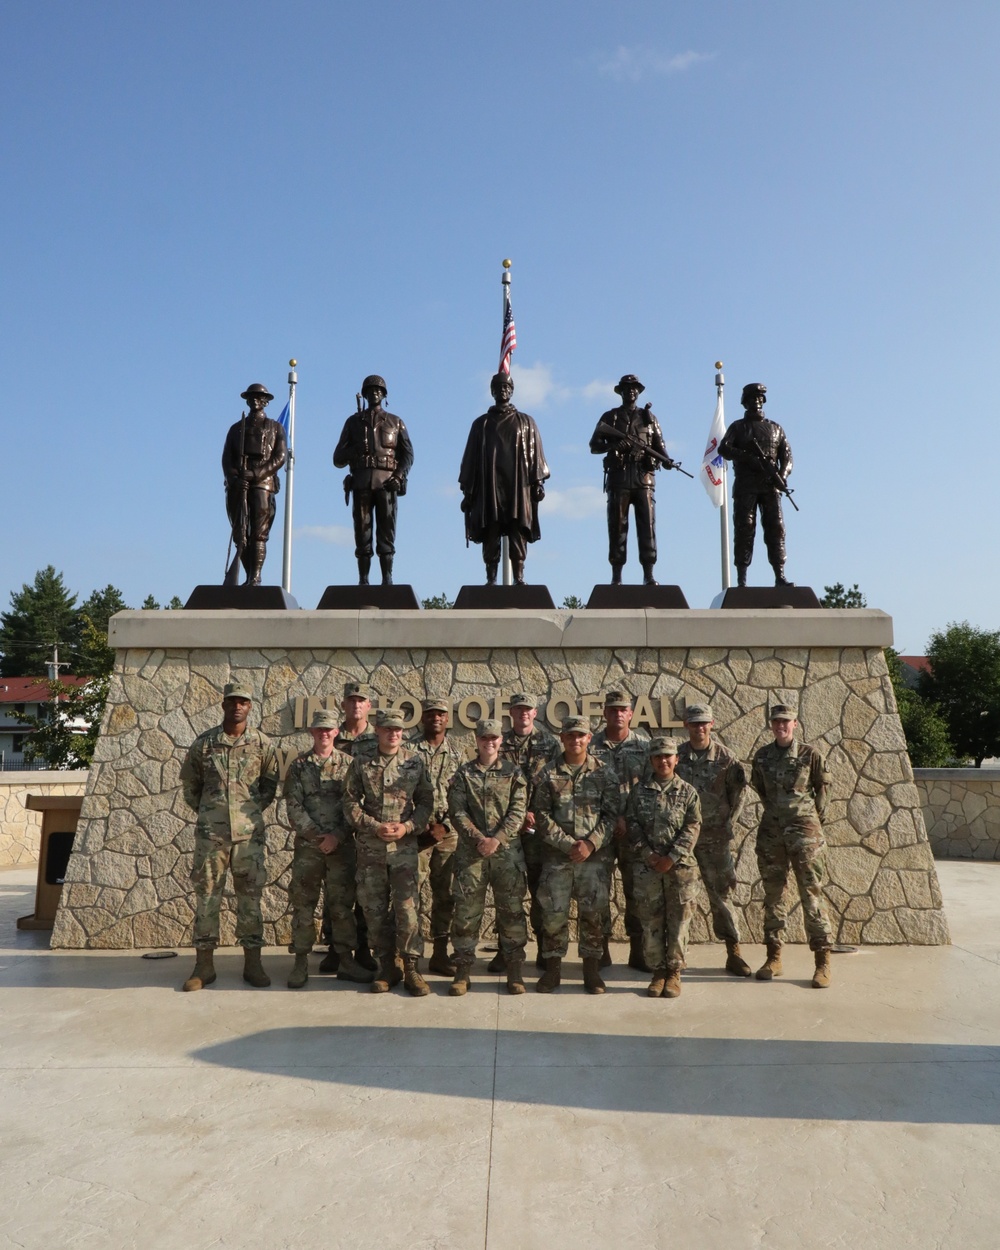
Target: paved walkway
{"x":739,"y":1115}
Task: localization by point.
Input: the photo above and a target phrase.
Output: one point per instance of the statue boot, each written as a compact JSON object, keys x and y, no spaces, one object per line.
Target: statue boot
{"x":593,"y":982}
{"x":779,"y":575}
{"x":551,"y":977}
{"x":299,"y":974}
{"x":253,"y":969}
{"x":256,"y":564}
{"x":616,"y":574}
{"x":515,"y":979}
{"x":413,"y":982}
{"x":821,"y":977}
{"x":463,"y":978}
{"x":439,"y":961}
{"x":517,"y":567}
{"x":735,"y":963}
{"x":204,"y":969}
{"x":772,"y":967}
{"x":741,"y":574}
{"x":491,"y":572}
{"x":364,"y":564}
{"x":386,"y":564}
{"x":647,"y":573}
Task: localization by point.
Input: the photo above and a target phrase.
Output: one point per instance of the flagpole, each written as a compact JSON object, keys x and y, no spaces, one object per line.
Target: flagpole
{"x":505,"y":565}
{"x":720,"y":383}
{"x":286,"y":562}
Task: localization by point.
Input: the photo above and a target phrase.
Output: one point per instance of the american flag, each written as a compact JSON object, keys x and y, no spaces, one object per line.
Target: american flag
{"x":508,"y":340}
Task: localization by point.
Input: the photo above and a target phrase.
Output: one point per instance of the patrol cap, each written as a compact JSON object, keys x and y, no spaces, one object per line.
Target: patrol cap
{"x":489,"y":729}
{"x":257,"y":388}
{"x":388,"y":718}
{"x":663,"y":746}
{"x":237,"y":690}
{"x":520,"y":699}
{"x":324,"y":720}
{"x":357,"y":690}
{"x":575,"y":725}
{"x":781,"y":711}
{"x":629,"y":379}
{"x":434,"y":705}
{"x":698,"y":714}
{"x":617,"y":698}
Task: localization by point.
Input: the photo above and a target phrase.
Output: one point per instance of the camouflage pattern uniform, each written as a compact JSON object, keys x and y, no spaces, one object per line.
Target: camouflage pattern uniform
{"x":628,"y":760}
{"x":663,"y":818}
{"x":314,"y":790}
{"x":389,"y":788}
{"x":437,"y":858}
{"x":489,"y":803}
{"x":364,"y":744}
{"x":571,"y":804}
{"x":794,"y":784}
{"x":229,"y":782}
{"x":531,"y":754}
{"x":721,"y":782}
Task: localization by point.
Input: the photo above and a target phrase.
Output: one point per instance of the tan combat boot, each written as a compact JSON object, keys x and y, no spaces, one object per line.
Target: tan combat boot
{"x":413,"y":982}
{"x":515,"y":977}
{"x":389,"y":973}
{"x":772,"y":966}
{"x":656,"y":986}
{"x":735,"y":963}
{"x":672,"y":985}
{"x":350,"y":970}
{"x":592,"y":982}
{"x":550,"y":978}
{"x":253,"y":969}
{"x":821,"y":977}
{"x":204,"y":970}
{"x":439,"y":961}
{"x":460,"y":986}
{"x":299,"y":974}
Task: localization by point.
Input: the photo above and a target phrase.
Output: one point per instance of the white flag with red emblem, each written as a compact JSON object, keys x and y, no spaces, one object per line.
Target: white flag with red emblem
{"x":712,"y":464}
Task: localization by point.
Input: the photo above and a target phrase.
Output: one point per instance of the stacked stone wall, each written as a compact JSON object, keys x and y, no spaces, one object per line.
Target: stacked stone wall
{"x":21,"y":829}
{"x":961,"y":811}
{"x":128,"y":879}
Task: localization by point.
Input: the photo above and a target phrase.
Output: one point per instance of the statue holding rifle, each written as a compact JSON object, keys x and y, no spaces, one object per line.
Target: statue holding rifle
{"x":255,"y":450}
{"x":762,"y":461}
{"x":631,"y":442}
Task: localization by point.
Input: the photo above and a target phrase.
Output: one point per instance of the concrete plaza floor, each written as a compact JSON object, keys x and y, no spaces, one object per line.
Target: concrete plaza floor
{"x":739,"y":1115}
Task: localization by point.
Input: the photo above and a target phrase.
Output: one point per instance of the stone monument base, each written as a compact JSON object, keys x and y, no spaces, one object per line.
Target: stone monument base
{"x":239,"y":598}
{"x":608,"y":596}
{"x":348,"y":598}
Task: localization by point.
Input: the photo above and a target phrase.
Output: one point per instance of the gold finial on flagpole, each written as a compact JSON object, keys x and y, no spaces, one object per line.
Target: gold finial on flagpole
{"x":506,"y":264}
{"x":293,"y":363}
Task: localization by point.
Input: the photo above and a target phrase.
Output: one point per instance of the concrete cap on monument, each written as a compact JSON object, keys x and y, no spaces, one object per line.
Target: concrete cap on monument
{"x":324,"y":720}
{"x":575,"y":725}
{"x":389,"y":719}
{"x":489,"y":729}
{"x":663,"y":746}
{"x":698,"y":714}
{"x":520,"y":699}
{"x":237,"y":690}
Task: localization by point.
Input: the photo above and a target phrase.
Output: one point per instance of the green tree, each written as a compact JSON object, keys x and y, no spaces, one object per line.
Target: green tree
{"x":149,"y":604}
{"x":837,"y":597}
{"x":175,"y":604}
{"x":41,"y":615}
{"x":926,"y":731}
{"x":56,"y":736}
{"x":435,"y":601}
{"x":964,"y":682}
{"x":572,"y":601}
{"x":95,"y":658}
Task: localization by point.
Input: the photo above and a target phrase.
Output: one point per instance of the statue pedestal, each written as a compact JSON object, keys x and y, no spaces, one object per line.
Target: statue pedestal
{"x":756,"y":597}
{"x":239,"y":598}
{"x":607,"y":596}
{"x":348,"y":598}
{"x":493,"y":598}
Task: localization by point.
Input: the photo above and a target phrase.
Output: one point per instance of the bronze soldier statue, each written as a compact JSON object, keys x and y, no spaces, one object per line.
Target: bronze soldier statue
{"x":502,"y":480}
{"x":762,"y":461}
{"x":376,"y":447}
{"x":631,"y":443}
{"x":255,"y":450}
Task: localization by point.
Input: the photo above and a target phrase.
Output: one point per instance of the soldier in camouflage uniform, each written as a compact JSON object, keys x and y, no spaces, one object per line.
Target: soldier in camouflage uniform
{"x":664,"y":817}
{"x":626,"y":752}
{"x":487,"y":802}
{"x":794,"y":785}
{"x":576,"y":805}
{"x":442,"y":758}
{"x":531,"y":747}
{"x":387,"y":802}
{"x":323,"y":860}
{"x":721,"y":782}
{"x":229,"y":778}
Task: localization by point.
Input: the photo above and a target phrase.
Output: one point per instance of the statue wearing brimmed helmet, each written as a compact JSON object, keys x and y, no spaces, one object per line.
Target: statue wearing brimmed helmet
{"x":254,"y":451}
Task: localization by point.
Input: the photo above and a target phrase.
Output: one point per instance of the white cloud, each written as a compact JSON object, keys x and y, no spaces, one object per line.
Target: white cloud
{"x":534,"y":387}
{"x":633,"y":64}
{"x":575,"y":503}
{"x":337,"y":535}
{"x":599,"y":389}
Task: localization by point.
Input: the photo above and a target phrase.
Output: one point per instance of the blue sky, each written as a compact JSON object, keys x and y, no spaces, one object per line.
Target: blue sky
{"x":196,"y":192}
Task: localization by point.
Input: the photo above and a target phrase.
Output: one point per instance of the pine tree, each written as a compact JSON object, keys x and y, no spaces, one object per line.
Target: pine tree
{"x":41,"y":615}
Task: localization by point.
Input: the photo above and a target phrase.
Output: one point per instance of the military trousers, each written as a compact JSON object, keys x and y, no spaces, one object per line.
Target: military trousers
{"x":589,"y":883}
{"x":389,"y":893}
{"x":801,"y":848}
{"x":643,"y":500}
{"x":745,"y":507}
{"x":665,"y":902}
{"x":437,"y":865}
{"x":212,"y":859}
{"x":378,"y":506}
{"x":332,"y":875}
{"x":714,"y":853}
{"x":533,"y":852}
{"x":625,"y":860}
{"x":505,"y":874}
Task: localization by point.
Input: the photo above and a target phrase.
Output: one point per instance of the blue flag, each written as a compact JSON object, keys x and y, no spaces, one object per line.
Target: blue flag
{"x":283,"y":418}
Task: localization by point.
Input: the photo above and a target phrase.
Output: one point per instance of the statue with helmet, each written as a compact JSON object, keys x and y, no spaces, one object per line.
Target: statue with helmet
{"x":376,"y":448}
{"x":762,"y":461}
{"x":254,"y":451}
